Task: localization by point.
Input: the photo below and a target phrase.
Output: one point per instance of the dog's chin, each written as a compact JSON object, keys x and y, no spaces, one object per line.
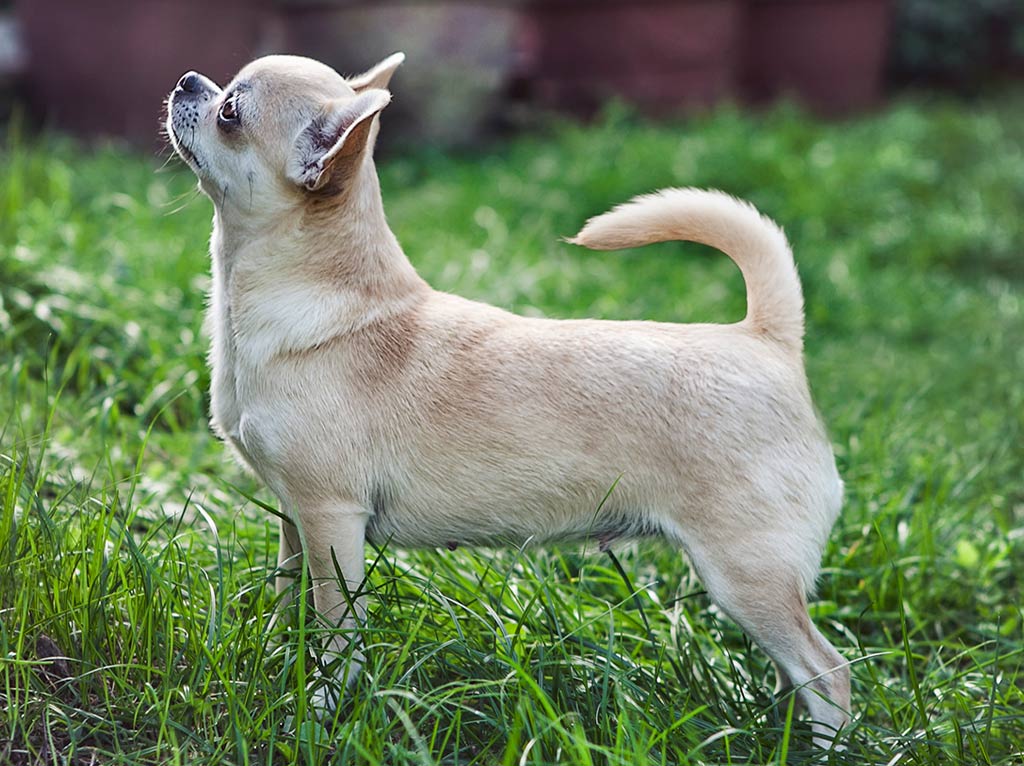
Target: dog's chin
{"x":207,"y":183}
{"x":185,"y":152}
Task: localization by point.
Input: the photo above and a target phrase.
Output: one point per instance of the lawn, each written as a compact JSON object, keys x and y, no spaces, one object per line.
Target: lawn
{"x":136,"y":558}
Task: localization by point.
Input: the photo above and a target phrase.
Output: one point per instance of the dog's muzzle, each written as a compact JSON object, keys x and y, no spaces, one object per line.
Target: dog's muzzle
{"x":185,"y":106}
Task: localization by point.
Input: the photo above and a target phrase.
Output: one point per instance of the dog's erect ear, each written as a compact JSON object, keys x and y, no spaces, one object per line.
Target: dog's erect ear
{"x":379,"y":76}
{"x":330,"y":147}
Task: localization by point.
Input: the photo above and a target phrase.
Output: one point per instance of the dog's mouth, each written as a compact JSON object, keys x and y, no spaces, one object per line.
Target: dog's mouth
{"x":181,"y":147}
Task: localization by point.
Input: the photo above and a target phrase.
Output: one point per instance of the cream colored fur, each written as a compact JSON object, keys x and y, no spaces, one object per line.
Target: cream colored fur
{"x":377,"y":408}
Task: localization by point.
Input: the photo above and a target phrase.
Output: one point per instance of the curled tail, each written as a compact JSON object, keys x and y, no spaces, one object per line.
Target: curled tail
{"x":775,"y":306}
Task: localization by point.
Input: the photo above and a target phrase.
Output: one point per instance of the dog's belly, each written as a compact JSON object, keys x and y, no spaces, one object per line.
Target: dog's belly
{"x":522,"y":503}
{"x":490,"y":527}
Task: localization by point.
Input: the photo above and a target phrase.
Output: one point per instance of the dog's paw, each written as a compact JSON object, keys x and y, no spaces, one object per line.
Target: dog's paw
{"x":324,"y":700}
{"x":336,"y":680}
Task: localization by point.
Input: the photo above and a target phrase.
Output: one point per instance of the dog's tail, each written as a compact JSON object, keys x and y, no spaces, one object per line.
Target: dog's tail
{"x":756,"y":244}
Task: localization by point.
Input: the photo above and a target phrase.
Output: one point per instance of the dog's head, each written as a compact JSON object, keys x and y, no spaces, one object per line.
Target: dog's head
{"x":283,"y":128}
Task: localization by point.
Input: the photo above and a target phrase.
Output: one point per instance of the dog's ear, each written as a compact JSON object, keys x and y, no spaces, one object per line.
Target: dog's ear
{"x":379,"y":76}
{"x":330,"y":147}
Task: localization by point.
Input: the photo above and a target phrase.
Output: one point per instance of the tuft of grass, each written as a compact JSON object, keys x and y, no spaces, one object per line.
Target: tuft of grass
{"x":136,"y":561}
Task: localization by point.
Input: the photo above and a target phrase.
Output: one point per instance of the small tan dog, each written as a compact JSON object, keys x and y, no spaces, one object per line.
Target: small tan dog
{"x":379,"y":409}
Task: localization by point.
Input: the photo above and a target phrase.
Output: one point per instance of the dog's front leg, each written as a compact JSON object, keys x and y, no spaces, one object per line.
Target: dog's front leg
{"x":334,"y":541}
{"x":289,"y":563}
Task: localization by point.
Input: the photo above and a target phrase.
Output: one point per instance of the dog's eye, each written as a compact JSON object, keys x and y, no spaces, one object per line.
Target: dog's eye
{"x":228,"y":114}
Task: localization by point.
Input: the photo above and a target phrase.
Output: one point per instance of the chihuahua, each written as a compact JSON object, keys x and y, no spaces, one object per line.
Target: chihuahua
{"x":378,"y":409}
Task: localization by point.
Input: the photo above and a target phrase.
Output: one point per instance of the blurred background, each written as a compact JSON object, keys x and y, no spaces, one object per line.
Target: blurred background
{"x":103,"y":67}
{"x":899,"y":177}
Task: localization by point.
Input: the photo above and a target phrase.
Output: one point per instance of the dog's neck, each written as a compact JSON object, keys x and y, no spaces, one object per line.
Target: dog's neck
{"x":293,"y":281}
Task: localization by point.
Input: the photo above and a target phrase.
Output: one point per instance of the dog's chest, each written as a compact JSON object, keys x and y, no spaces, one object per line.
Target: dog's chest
{"x":234,"y":371}
{"x":232,"y":385}
{"x":247,"y":422}
{"x":239,"y":411}
{"x":225,"y":407}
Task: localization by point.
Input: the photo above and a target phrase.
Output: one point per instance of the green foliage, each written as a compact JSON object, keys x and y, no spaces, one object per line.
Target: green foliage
{"x":135,"y":558}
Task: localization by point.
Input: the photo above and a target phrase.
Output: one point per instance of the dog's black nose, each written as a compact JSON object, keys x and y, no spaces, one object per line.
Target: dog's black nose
{"x":189,"y":82}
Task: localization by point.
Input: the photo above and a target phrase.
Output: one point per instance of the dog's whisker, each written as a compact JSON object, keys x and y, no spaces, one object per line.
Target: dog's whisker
{"x":182,"y":202}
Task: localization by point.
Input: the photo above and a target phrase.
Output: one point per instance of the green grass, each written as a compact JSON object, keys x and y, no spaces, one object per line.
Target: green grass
{"x":135,"y":558}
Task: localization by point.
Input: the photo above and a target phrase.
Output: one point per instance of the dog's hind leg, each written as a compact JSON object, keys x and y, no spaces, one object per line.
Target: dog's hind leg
{"x":766,"y":597}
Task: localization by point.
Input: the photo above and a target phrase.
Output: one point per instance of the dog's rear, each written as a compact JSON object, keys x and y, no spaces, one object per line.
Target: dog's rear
{"x":762,"y":556}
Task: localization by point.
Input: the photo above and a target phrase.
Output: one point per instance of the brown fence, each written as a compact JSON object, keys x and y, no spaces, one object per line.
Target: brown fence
{"x":105,"y":66}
